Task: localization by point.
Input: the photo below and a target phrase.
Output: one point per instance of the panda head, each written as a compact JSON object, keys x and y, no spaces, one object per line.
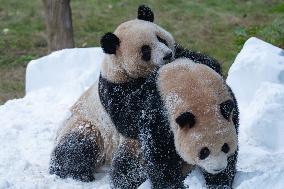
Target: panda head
{"x":138,"y":46}
{"x":200,"y":108}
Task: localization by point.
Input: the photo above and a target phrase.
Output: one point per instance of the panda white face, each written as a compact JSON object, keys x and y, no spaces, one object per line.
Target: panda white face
{"x":137,"y":47}
{"x":208,"y":149}
{"x":213,"y":164}
{"x":200,"y":109}
{"x":143,"y":46}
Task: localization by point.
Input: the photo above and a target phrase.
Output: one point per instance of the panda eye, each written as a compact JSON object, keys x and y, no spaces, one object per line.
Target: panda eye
{"x":146,"y":52}
{"x":227,"y":108}
{"x":204,"y":153}
{"x":225,"y":148}
{"x":162,"y":40}
{"x":186,"y":119}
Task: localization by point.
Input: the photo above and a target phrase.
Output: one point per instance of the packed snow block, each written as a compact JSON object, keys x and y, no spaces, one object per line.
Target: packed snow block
{"x":257,"y":79}
{"x":264,"y":117}
{"x":68,"y":70}
{"x":257,"y":62}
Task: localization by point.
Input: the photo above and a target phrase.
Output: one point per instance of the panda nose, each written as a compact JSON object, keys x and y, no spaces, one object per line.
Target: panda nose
{"x":168,"y":56}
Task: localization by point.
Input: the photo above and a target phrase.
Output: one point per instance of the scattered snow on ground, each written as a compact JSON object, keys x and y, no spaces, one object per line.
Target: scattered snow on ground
{"x":53,"y":83}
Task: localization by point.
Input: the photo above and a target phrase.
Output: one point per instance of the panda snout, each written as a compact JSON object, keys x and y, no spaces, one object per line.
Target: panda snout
{"x":168,"y":56}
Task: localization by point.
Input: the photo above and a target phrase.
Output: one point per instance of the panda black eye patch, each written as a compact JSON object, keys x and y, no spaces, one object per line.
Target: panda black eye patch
{"x":186,"y":119}
{"x":146,"y":52}
{"x":225,"y":148}
{"x":162,"y":40}
{"x":204,"y":153}
{"x":227,"y":108}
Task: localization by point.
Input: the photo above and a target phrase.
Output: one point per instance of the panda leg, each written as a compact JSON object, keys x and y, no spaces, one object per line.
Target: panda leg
{"x":77,"y":154}
{"x":223,"y":180}
{"x":126,"y":169}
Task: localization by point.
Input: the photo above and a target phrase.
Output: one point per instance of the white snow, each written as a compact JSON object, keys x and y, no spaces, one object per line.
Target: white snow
{"x":29,"y":125}
{"x":53,"y":83}
{"x":67,"y":71}
{"x":257,"y":79}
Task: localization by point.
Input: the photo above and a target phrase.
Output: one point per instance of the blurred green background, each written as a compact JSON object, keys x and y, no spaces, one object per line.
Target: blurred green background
{"x":216,"y":27}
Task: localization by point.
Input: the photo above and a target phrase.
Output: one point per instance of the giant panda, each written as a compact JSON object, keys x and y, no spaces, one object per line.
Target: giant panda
{"x":88,"y":138}
{"x":188,"y":117}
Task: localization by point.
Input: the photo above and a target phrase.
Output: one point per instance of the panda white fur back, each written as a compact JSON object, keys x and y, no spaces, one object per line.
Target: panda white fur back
{"x":88,"y":138}
{"x":92,"y":116}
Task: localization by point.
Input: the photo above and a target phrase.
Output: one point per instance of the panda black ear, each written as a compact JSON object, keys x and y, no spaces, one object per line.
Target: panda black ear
{"x":227,"y":108}
{"x":186,"y":119}
{"x":145,"y":13}
{"x":110,"y":43}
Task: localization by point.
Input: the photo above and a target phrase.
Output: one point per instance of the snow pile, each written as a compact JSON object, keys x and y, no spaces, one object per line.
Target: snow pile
{"x":53,"y":83}
{"x":69,"y":71}
{"x":257,"y":79}
{"x":29,"y":125}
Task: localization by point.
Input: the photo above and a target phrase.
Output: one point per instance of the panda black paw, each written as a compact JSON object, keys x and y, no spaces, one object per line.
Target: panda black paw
{"x":84,"y":177}
{"x":75,"y":156}
{"x":127,"y":171}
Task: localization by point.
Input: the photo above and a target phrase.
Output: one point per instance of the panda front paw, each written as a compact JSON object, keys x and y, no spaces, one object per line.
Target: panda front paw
{"x":75,"y":156}
{"x":65,"y":173}
{"x":127,"y":170}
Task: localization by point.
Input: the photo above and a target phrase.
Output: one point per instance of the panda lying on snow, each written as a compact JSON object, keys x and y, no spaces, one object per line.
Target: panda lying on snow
{"x":88,"y":138}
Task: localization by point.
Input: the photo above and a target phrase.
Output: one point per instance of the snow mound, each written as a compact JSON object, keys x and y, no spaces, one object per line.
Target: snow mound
{"x":29,"y":125}
{"x":66,"y":71}
{"x":257,"y":62}
{"x":53,"y":83}
{"x":257,"y":79}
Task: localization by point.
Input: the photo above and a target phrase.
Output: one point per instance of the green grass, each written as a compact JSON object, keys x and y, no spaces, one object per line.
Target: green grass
{"x":216,"y":27}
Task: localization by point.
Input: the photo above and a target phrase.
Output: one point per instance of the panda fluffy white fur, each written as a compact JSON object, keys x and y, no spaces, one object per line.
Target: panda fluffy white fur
{"x":88,"y":138}
{"x":188,"y":117}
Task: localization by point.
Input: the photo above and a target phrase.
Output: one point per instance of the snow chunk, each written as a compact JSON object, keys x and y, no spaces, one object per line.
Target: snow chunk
{"x":265,"y":115}
{"x":65,"y":71}
{"x":256,"y":77}
{"x":146,"y":185}
{"x":257,"y":62}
